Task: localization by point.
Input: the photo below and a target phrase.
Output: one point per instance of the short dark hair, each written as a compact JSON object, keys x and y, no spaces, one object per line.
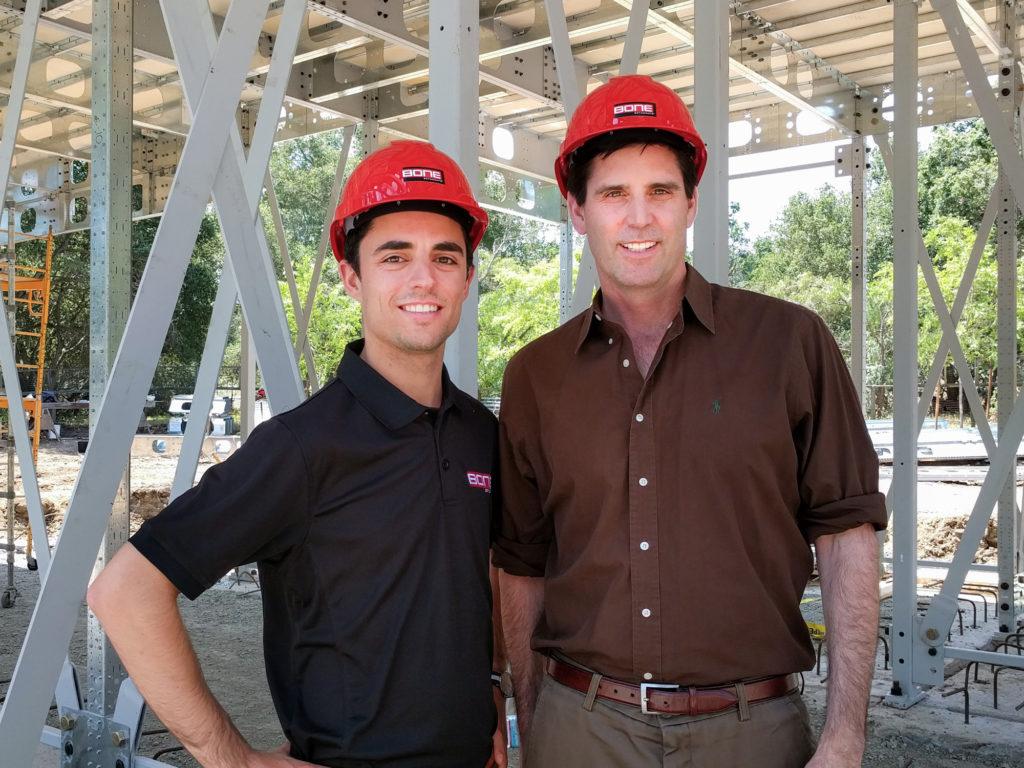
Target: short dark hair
{"x":354,"y":237}
{"x":578,"y":173}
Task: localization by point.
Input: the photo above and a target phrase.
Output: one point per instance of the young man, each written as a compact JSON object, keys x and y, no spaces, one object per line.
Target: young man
{"x":668,"y":457}
{"x":368,"y":510}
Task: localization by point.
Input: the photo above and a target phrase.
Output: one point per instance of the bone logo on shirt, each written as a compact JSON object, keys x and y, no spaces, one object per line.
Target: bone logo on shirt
{"x":478,"y":480}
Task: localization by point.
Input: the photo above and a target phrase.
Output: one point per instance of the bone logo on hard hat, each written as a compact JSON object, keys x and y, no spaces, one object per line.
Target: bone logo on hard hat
{"x":423,"y":174}
{"x":638,"y":108}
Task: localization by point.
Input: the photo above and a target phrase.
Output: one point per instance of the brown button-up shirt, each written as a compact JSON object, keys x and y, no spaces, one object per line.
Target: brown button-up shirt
{"x":670,"y":516}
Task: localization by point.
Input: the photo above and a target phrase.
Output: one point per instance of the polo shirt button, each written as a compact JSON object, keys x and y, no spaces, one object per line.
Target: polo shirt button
{"x":639,"y":417}
{"x":611,"y":341}
{"x":644,"y":546}
{"x":445,"y":464}
{"x":646,"y":613}
{"x":625,"y":363}
{"x":648,"y":676}
{"x":643,"y":481}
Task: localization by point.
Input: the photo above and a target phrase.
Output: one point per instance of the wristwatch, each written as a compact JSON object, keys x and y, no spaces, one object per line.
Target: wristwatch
{"x":503,"y":682}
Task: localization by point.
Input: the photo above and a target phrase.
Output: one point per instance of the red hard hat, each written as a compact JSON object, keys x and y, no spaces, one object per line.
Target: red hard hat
{"x":629,"y":101}
{"x":400,"y":172}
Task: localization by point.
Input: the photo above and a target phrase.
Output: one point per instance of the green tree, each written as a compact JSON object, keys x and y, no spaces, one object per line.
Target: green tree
{"x":520,"y":305}
{"x":806,"y":258}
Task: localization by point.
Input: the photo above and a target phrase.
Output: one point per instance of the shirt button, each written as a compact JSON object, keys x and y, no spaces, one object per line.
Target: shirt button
{"x":644,"y":546}
{"x":625,"y":363}
{"x":445,"y":463}
{"x":611,"y":341}
{"x":646,"y":613}
{"x":598,"y":317}
{"x":643,"y":480}
{"x":648,"y":676}
{"x":639,"y":417}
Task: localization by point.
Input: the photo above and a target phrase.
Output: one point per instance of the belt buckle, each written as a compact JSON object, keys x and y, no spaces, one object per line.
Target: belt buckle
{"x":643,"y":694}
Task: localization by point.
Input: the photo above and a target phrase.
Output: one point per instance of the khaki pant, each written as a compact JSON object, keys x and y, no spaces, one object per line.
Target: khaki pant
{"x":566,"y":735}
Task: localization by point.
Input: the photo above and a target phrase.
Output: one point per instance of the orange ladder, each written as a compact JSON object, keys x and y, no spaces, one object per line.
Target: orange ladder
{"x":27,"y":288}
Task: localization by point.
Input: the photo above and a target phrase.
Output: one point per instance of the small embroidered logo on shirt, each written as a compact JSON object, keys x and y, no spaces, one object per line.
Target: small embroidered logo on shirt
{"x":716,"y":407}
{"x":477,"y":480}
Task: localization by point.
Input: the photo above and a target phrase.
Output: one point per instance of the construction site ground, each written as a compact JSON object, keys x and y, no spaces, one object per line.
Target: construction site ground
{"x":226,"y":625}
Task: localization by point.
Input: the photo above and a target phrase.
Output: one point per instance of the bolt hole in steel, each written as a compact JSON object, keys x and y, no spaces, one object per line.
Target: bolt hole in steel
{"x":69,"y":749}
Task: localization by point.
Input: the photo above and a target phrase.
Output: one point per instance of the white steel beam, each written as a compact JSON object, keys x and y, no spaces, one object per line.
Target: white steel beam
{"x":305,"y":312}
{"x":1006,"y":303}
{"x":56,"y":610}
{"x":999,"y":129}
{"x":858,"y":279}
{"x":8,"y":360}
{"x":634,"y":37}
{"x":302,"y":348}
{"x":9,"y":135}
{"x":109,"y":296}
{"x":711,"y":114}
{"x":206,"y":382}
{"x":245,"y":239}
{"x":573,"y":92}
{"x":904,"y":690}
{"x":287,"y":39}
{"x":454,"y":121}
{"x":223,"y":309}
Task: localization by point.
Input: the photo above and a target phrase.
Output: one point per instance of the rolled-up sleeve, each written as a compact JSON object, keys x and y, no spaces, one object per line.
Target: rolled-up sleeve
{"x":525,"y":532}
{"x":838,"y":464}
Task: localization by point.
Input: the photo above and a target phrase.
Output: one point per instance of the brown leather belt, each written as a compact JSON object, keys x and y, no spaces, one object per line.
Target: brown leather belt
{"x":672,"y":699}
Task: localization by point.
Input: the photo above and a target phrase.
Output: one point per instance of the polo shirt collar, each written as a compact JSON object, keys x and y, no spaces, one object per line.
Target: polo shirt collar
{"x":697,"y":295}
{"x":385,"y":402}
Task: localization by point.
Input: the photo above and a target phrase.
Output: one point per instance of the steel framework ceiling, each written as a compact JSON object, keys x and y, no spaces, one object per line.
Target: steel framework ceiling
{"x":800,"y":71}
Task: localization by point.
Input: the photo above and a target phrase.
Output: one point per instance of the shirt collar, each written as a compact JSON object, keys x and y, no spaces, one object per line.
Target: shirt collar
{"x":698,"y":297}
{"x":697,"y":294}
{"x":385,"y":402}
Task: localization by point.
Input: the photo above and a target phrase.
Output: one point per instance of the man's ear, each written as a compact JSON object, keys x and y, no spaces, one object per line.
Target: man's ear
{"x":350,"y":280}
{"x":692,"y":213}
{"x":469,"y":282}
{"x":576,"y":215}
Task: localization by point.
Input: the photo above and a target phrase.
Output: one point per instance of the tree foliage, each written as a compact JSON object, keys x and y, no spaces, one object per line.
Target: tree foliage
{"x":806,"y":256}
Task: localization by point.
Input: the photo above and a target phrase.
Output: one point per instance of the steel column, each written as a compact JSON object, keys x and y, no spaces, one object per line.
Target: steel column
{"x":110,"y":293}
{"x":711,"y":115}
{"x":454,"y":121}
{"x":1006,"y":302}
{"x":573,"y":92}
{"x":904,"y":483}
{"x":565,"y":266}
{"x":858,"y":278}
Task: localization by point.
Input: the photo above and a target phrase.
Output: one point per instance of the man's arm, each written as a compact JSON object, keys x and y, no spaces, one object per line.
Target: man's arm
{"x":522,"y":600}
{"x":848,"y":564}
{"x":138,"y":608}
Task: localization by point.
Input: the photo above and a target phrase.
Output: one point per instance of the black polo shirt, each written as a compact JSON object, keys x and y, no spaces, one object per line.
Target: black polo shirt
{"x":370,"y":518}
